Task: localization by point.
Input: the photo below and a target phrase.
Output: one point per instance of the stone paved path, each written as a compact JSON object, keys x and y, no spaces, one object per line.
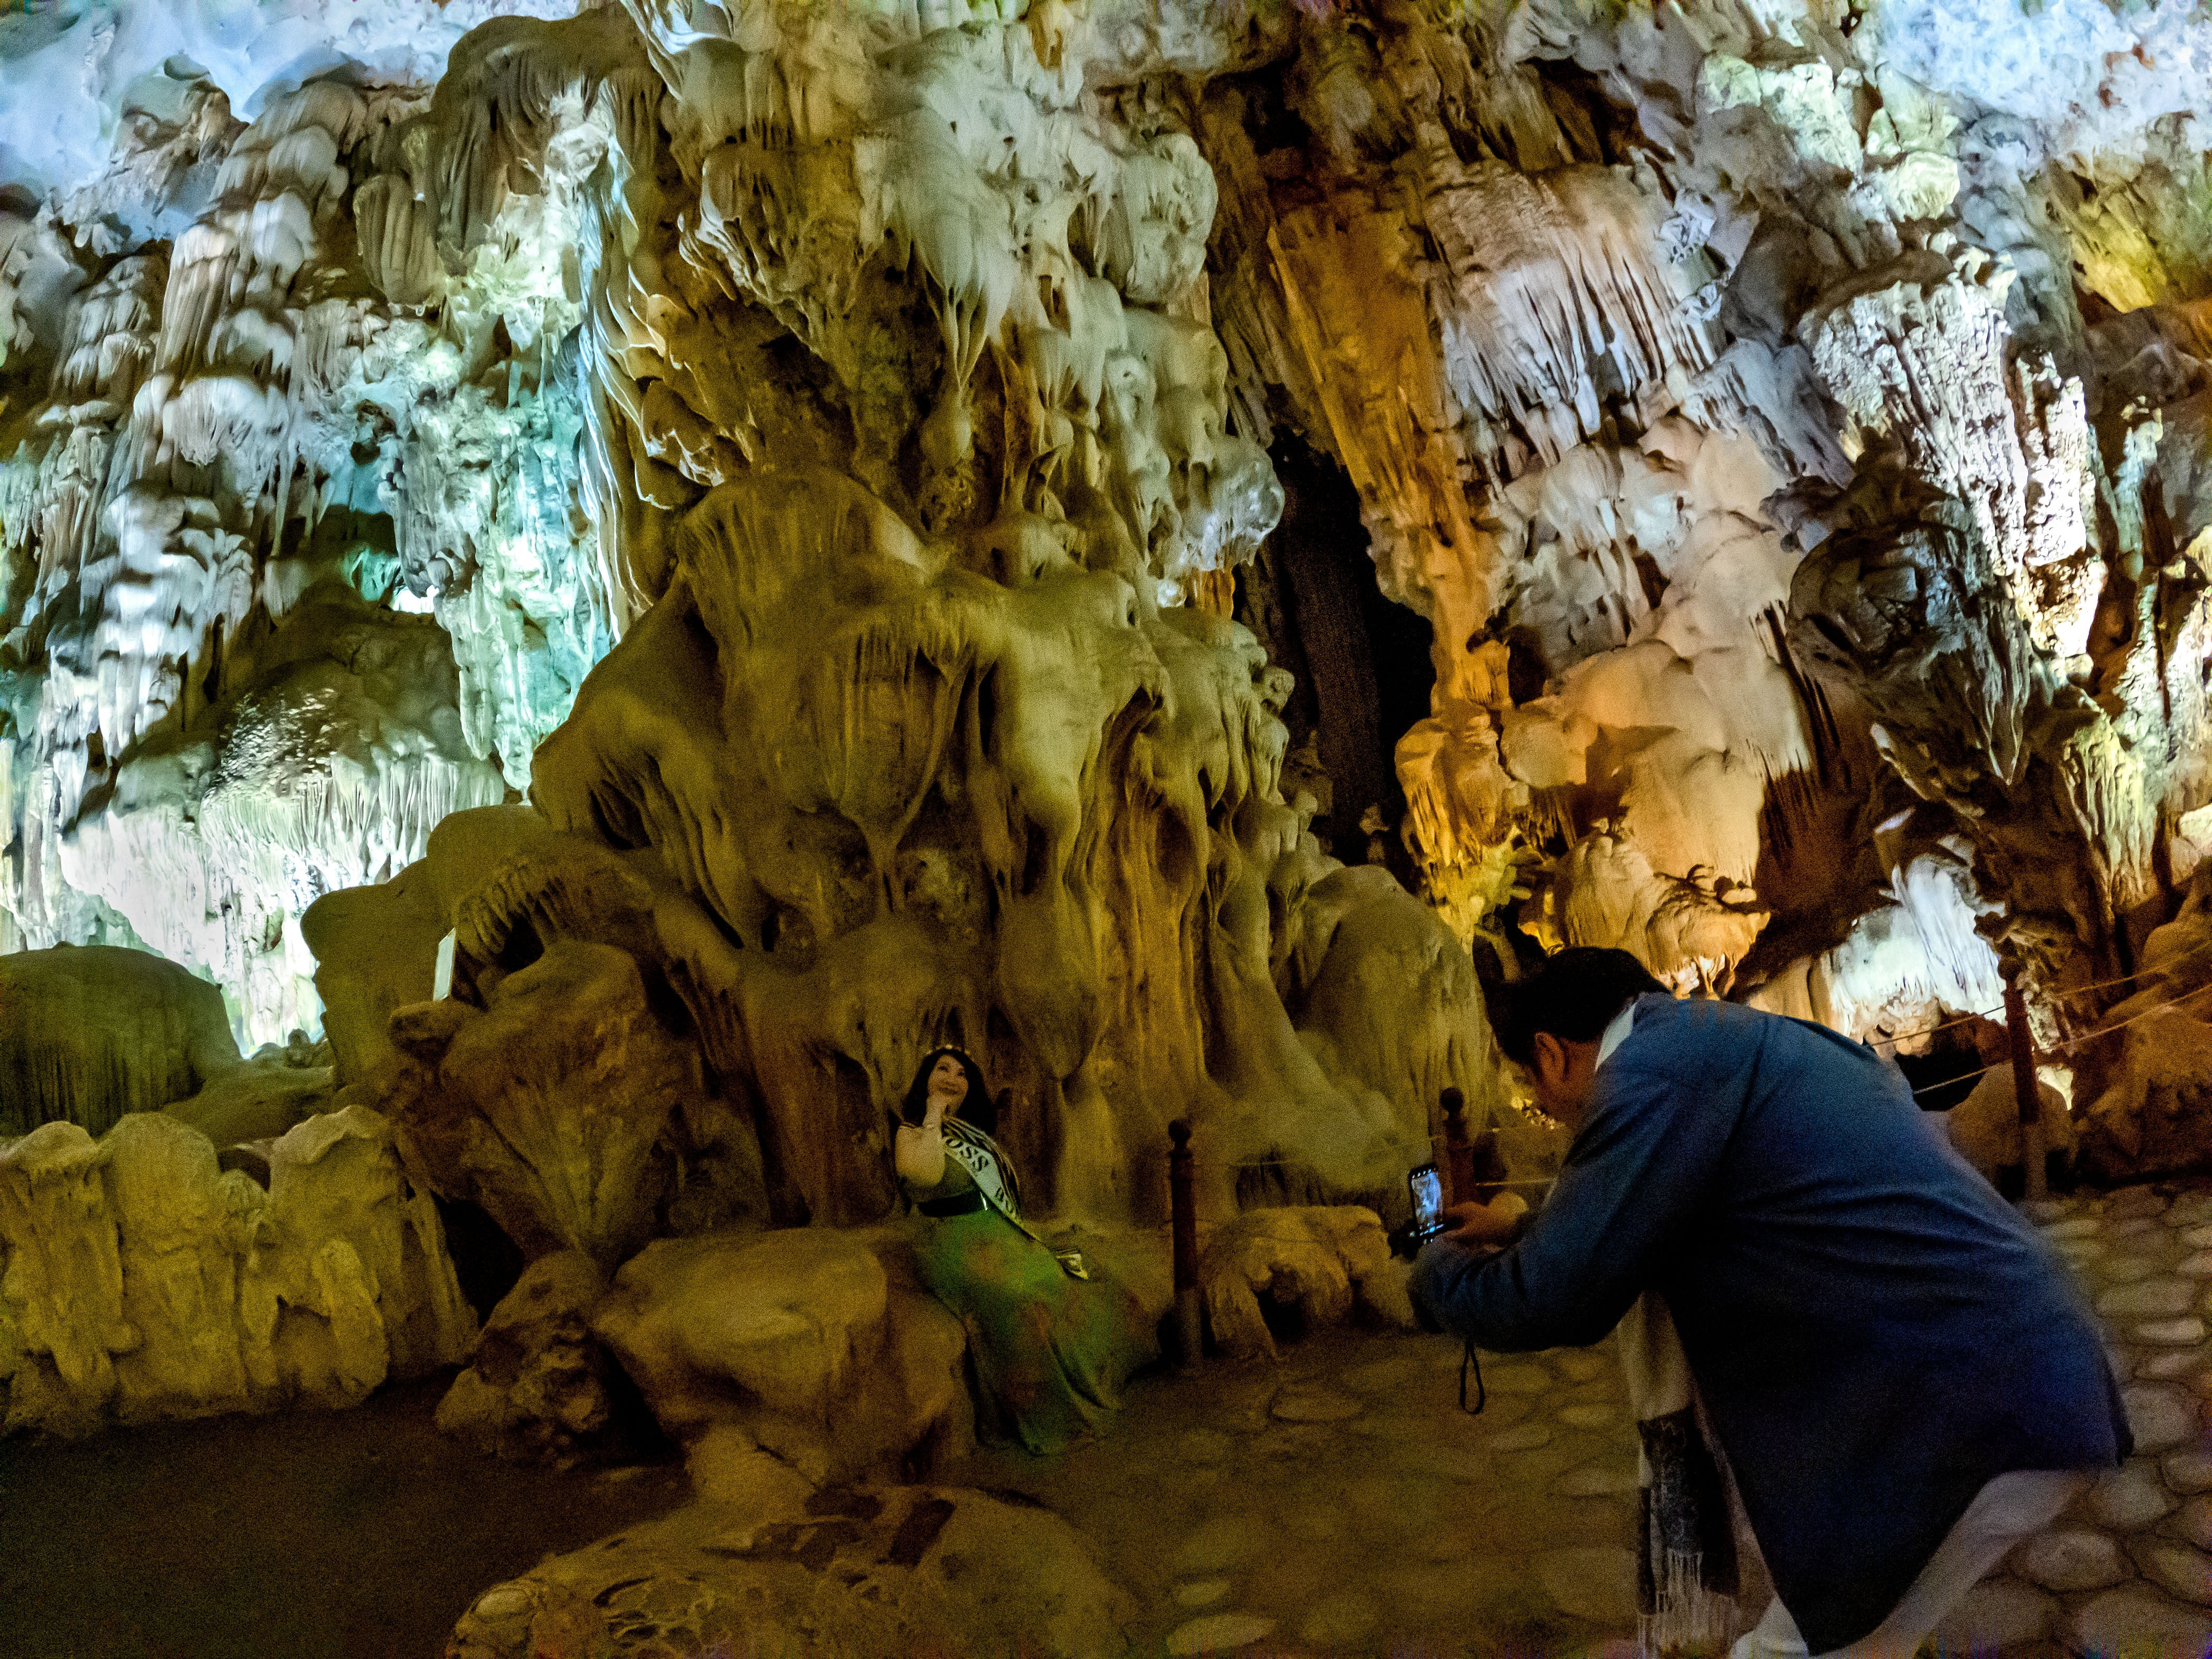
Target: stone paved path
{"x":1340,"y":1503}
{"x":2127,"y":1570}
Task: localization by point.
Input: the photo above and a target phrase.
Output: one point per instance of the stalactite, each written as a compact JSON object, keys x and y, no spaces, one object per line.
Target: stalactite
{"x":812,"y":450}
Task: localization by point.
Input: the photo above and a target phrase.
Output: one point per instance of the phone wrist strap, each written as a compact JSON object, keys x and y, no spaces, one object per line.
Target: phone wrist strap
{"x":1467,"y":1359}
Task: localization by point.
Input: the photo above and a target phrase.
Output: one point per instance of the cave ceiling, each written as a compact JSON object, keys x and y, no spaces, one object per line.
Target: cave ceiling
{"x":950,"y":498}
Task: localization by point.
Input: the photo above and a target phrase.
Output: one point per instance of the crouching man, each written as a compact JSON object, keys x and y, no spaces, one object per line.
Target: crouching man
{"x":1897,"y":1370}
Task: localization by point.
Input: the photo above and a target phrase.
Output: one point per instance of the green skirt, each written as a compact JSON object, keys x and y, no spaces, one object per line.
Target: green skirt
{"x":1050,"y":1353}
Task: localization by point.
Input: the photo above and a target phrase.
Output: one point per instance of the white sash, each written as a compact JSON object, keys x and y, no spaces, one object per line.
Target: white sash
{"x":981,"y":1158}
{"x":994,"y":1178}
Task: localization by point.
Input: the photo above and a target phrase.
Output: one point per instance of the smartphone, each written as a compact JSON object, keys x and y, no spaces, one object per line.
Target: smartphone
{"x":1427,"y":1188}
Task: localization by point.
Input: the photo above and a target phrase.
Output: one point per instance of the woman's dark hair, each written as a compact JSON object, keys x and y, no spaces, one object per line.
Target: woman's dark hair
{"x":1572,"y":994}
{"x":977,"y":1111}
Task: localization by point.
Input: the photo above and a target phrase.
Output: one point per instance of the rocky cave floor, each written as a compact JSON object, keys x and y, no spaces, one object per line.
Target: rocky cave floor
{"x":1336,"y":1503}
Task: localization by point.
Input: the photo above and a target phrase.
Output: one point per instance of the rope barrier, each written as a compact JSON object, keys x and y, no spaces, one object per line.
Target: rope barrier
{"x":1908,"y":1037}
{"x":1945,"y":1083}
{"x":1925,"y":1088}
{"x":2155,"y":1008}
{"x":1891,"y":1042}
{"x":2106,"y":984}
{"x":2055,"y":996}
{"x":2073,"y":1042}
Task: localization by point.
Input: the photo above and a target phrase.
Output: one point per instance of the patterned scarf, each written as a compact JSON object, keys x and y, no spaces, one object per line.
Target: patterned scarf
{"x":1686,"y":1570}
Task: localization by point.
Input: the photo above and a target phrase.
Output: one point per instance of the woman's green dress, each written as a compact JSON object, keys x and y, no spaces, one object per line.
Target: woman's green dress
{"x":1050,"y":1351}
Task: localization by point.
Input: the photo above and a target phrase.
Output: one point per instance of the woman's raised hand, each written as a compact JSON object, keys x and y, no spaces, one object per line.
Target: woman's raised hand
{"x":948,"y":1086}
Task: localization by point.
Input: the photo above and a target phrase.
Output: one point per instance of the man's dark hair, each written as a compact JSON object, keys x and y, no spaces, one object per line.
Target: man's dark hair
{"x":1572,"y":994}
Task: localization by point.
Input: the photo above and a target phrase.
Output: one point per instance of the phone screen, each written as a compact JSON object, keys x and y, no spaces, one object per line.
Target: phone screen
{"x":1428,"y":1189}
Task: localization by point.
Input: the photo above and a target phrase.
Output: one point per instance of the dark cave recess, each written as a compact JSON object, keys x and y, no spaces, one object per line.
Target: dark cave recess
{"x":1362,"y":662}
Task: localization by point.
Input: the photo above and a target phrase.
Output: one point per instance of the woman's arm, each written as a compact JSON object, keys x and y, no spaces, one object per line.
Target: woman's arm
{"x":919,"y":1154}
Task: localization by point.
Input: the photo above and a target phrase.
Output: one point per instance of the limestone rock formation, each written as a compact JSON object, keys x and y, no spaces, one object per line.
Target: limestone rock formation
{"x":137,"y":1282}
{"x":1915,"y":963}
{"x":1312,"y":1261}
{"x":556,"y":1098}
{"x":1986,"y":1128}
{"x":637,"y":566}
{"x":920,"y":726}
{"x":219,"y":428}
{"x":1475,"y":348}
{"x":1080,"y":914}
{"x":2156,"y":1115}
{"x":539,"y":1388}
{"x":865,"y":1570}
{"x":814,"y":1345}
{"x":245,"y":1109}
{"x":91,"y":1034}
{"x":2150,"y":1055}
{"x":892,"y":388}
{"x":327,"y":769}
{"x":1835,"y":330}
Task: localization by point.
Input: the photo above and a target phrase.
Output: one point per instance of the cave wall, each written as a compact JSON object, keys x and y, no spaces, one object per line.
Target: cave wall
{"x":799,"y":494}
{"x":237,"y":475}
{"x":1769,"y":413}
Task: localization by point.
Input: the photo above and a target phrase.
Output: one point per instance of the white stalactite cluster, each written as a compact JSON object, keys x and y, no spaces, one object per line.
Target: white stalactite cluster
{"x":237,"y":433}
{"x":2049,"y":695}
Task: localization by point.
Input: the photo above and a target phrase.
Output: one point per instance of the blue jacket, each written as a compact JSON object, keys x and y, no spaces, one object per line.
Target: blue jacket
{"x":1875,"y":1335}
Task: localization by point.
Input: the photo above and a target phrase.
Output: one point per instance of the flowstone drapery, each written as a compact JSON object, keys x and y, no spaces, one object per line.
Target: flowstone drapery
{"x":905,"y":394}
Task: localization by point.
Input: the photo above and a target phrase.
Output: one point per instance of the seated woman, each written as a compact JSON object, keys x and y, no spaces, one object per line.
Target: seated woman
{"x":1050,"y":1344}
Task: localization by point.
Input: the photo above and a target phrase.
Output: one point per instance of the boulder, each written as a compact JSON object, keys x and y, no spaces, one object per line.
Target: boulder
{"x":91,"y":1033}
{"x":817,"y":1344}
{"x":1319,"y":1258}
{"x":547,"y":1106}
{"x":2070,"y":1558}
{"x":1998,"y":1613}
{"x":1985,"y":1126}
{"x":2155,"y":1114}
{"x":261,"y":1099}
{"x":541,"y":1388}
{"x":855,"y":1570}
{"x":376,"y":949}
{"x":2136,"y":1622}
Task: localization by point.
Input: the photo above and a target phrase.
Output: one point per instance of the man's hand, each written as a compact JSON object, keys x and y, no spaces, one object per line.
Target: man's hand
{"x":1493,"y":1223}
